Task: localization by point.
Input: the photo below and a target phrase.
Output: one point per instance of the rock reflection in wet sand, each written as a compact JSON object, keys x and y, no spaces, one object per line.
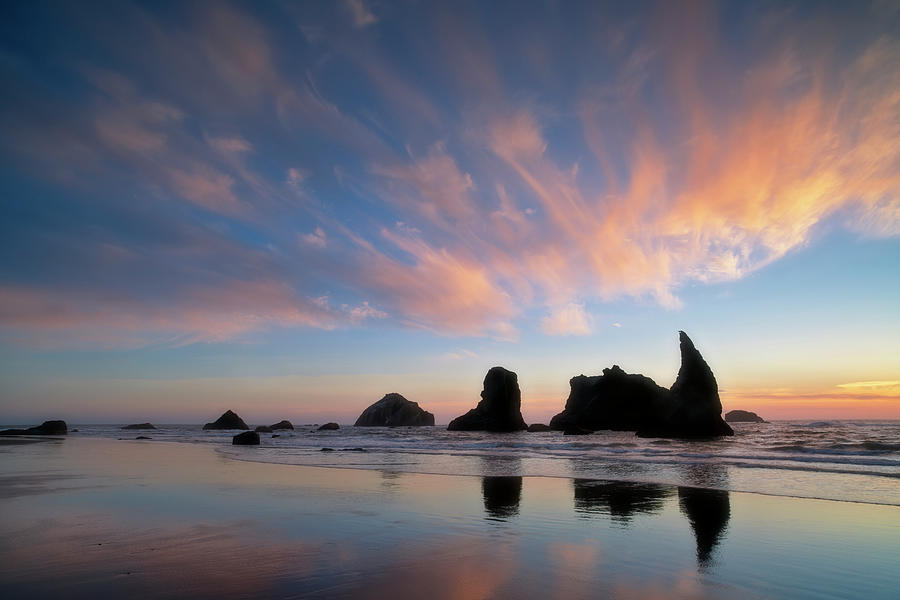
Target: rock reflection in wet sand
{"x":502,"y":495}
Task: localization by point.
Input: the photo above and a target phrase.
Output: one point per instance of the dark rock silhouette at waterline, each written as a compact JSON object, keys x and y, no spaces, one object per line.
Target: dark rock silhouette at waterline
{"x":45,"y":428}
{"x":248,"y":438}
{"x":502,"y":495}
{"x":500,"y":408}
{"x":393,"y":410}
{"x":329,"y":427}
{"x":630,"y":402}
{"x":140,"y":426}
{"x":695,"y":409}
{"x":538,"y":428}
{"x":263,"y":429}
{"x":619,"y":499}
{"x":708,"y":512}
{"x":228,"y":420}
{"x":285,"y":424}
{"x":743,"y":416}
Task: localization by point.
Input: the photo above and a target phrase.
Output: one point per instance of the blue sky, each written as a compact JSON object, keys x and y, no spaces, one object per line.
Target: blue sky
{"x":290,"y":209}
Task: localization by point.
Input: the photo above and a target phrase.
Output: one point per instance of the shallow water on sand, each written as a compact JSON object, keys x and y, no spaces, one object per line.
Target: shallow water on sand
{"x":92,"y":517}
{"x":856,"y":461}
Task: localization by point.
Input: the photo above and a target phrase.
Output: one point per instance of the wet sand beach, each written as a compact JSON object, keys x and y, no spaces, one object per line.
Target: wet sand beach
{"x":94,"y":517}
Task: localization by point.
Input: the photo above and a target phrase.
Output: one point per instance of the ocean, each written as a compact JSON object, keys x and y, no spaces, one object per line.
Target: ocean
{"x":854,"y":461}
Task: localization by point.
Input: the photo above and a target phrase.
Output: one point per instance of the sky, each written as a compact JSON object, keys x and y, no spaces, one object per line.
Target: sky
{"x":290,"y":209}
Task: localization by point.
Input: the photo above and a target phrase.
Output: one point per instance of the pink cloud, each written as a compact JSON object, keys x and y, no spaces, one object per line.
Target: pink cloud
{"x":194,"y":314}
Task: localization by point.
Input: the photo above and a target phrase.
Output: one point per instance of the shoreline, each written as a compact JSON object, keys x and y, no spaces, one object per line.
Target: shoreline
{"x":175,"y":519}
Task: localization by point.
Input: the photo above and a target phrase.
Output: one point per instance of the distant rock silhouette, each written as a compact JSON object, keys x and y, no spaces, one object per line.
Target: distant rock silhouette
{"x":143,"y":437}
{"x":500,"y":408}
{"x":394,"y":411}
{"x":576,"y":430}
{"x":538,"y":427}
{"x":248,"y":438}
{"x":329,"y":427}
{"x":140,"y":426}
{"x":630,"y":402}
{"x":743,"y":416}
{"x":708,"y":512}
{"x":263,"y":429}
{"x":282,"y":425}
{"x":228,"y":420}
{"x":502,"y":495}
{"x":45,"y":428}
{"x":695,"y":409}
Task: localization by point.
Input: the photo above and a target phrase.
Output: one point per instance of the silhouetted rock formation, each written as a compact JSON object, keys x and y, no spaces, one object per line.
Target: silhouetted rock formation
{"x":282,"y":425}
{"x":143,"y":437}
{"x":615,"y":400}
{"x":394,"y":411}
{"x":743,"y":416}
{"x":45,"y":428}
{"x":329,"y":427}
{"x":248,"y":438}
{"x":263,"y":429}
{"x":619,"y":499}
{"x":708,"y":512}
{"x":538,"y":427}
{"x":629,"y":402}
{"x":228,"y":420}
{"x":140,"y":426}
{"x":500,"y":408}
{"x":696,"y":411}
{"x":502,"y":495}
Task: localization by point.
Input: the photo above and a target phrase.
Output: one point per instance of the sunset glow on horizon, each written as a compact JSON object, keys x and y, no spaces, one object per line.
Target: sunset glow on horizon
{"x":291,"y":209}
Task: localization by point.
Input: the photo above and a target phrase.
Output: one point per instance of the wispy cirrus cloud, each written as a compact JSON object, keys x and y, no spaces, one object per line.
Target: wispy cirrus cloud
{"x":683,"y":160}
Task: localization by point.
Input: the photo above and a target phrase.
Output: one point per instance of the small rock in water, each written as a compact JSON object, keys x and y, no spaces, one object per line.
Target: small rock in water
{"x":263,"y":429}
{"x":248,"y":438}
{"x":327,"y":450}
{"x":329,"y":427}
{"x":538,"y":427}
{"x":140,"y":426}
{"x":143,"y":437}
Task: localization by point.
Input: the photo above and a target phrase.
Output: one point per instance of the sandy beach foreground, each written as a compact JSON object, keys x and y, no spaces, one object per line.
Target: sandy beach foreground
{"x":91,"y":517}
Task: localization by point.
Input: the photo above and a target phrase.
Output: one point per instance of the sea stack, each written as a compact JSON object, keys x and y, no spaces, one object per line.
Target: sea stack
{"x":615,"y":400}
{"x":228,"y":420}
{"x":695,"y":410}
{"x":630,"y":402}
{"x":282,"y":425}
{"x":394,"y":411}
{"x":743,"y":416}
{"x":500,"y":408}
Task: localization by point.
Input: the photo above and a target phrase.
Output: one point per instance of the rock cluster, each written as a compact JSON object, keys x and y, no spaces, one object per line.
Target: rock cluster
{"x":627,"y":402}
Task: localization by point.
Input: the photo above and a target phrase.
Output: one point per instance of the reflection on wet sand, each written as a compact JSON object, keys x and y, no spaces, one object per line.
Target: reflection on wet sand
{"x":501,"y":496}
{"x":619,"y":499}
{"x":708,"y":512}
